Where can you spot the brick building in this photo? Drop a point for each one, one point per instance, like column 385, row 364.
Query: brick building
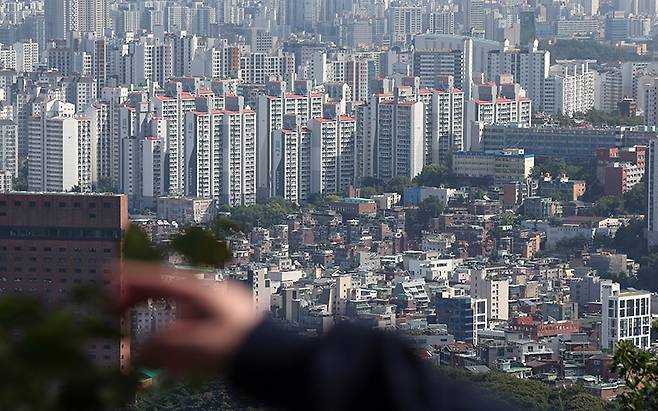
column 619, row 169
column 53, row 243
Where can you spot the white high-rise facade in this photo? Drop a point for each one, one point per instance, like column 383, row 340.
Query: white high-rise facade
column 84, row 16
column 569, row 89
column 9, row 147
column 333, row 156
column 271, row 111
column 221, row 155
column 529, row 66
column 173, row 110
column 61, row 149
column 625, row 316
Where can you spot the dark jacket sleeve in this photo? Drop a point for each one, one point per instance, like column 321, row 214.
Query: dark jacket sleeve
column 351, row 368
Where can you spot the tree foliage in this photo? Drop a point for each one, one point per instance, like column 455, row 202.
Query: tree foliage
column 266, row 214
column 212, row 395
column 200, row 248
column 433, row 175
column 589, row 50
column 609, row 205
column 603, row 119
column 635, row 199
column 43, row 355
column 137, row 246
column 639, row 370
column 531, row 395
column 105, row 184
column 576, row 243
column 556, row 167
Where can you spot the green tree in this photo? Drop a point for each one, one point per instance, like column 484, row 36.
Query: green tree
column 629, row 239
column 639, row 370
column 609, row 205
column 368, row 192
column 20, row 183
column 397, row 184
column 45, row 365
column 508, row 218
column 105, row 184
column 570, row 244
column 431, row 207
column 274, row 211
column 602, row 119
column 635, row 199
column 589, row 49
column 433, row 175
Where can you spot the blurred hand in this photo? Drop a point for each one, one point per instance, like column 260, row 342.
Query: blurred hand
column 214, row 318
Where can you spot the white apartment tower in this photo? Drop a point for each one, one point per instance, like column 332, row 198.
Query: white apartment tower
column 569, row 89
column 221, row 156
column 9, row 147
column 60, row 145
column 271, row 111
column 444, row 123
column 173, row 108
column 529, row 66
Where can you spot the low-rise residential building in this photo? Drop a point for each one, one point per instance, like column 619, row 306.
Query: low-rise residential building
column 503, row 166
column 186, row 210
column 349, row 207
column 413, row 196
column 563, row 188
column 541, row 208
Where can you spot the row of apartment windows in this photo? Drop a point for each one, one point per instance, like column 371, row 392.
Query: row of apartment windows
column 59, row 249
column 63, row 270
column 61, row 204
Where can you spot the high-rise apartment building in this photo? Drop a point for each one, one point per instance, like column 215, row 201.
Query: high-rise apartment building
column 528, row 65
column 9, row 147
column 499, row 102
column 473, row 15
column 271, row 110
column 332, row 154
column 404, row 21
column 142, row 162
column 61, row 149
column 650, row 105
column 569, row 89
column 399, row 135
column 221, row 155
column 432, row 65
column 172, row 108
column 53, row 243
column 608, row 90
column 84, row 16
column 652, row 193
